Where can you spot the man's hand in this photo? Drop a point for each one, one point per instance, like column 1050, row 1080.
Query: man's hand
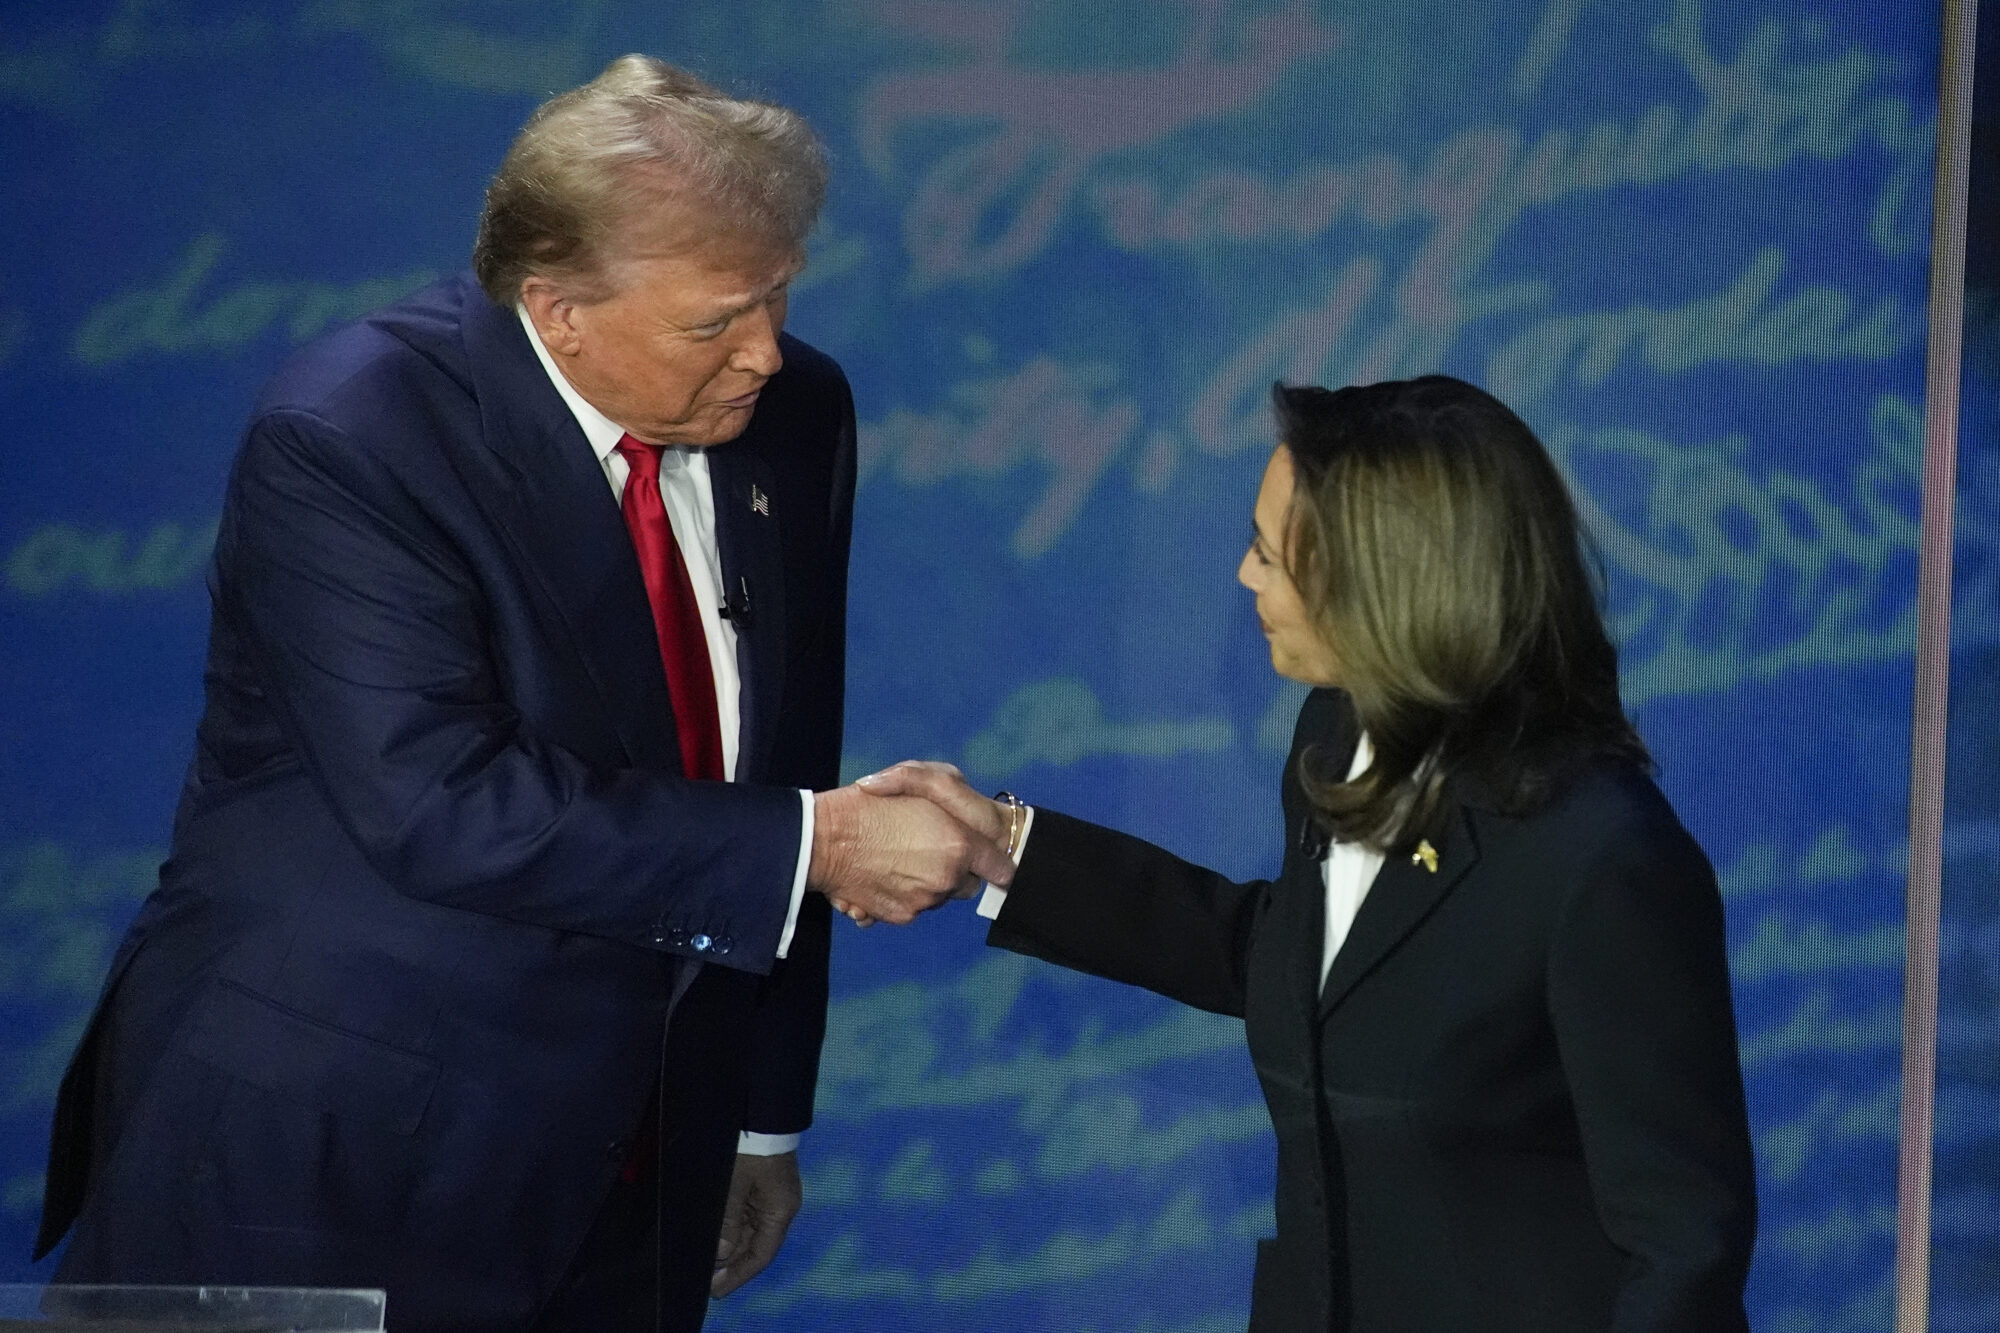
column 764, row 1197
column 891, row 858
column 946, row 788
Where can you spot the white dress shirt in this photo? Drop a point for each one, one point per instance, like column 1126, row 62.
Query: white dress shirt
column 1346, row 874
column 689, row 495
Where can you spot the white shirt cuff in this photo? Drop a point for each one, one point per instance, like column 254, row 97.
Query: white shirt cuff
column 766, row 1145
column 994, row 898
column 798, row 885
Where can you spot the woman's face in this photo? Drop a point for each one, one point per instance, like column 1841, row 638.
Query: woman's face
column 1297, row 650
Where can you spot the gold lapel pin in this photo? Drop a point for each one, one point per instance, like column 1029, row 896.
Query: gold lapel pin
column 1425, row 856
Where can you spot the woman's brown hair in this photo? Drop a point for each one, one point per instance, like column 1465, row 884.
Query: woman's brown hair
column 1436, row 547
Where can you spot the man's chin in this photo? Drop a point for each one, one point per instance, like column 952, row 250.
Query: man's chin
column 714, row 426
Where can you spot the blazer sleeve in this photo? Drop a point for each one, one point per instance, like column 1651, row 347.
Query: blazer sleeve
column 1640, row 1002
column 369, row 634
column 1095, row 900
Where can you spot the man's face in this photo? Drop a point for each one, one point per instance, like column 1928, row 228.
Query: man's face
column 681, row 351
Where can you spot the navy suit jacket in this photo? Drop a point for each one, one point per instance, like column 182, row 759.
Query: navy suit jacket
column 436, row 879
column 1514, row 1104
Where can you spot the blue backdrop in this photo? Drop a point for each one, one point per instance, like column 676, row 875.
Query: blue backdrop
column 1067, row 249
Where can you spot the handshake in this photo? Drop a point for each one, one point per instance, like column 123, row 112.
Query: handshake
column 897, row 843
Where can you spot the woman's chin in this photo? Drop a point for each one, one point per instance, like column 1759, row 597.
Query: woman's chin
column 1303, row 674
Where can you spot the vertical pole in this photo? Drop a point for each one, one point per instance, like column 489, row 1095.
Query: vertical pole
column 1933, row 674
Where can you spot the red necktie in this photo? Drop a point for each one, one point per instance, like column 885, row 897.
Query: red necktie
column 676, row 619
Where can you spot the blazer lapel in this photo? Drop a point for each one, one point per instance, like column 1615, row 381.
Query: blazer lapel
column 1304, row 888
column 1327, row 725
column 1404, row 893
column 559, row 513
column 749, row 510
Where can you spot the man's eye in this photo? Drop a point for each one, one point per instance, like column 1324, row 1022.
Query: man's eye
column 709, row 330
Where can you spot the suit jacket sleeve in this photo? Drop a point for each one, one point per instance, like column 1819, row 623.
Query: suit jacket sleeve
column 1103, row 902
column 790, row 1019
column 371, row 638
column 1099, row 901
column 1640, row 1001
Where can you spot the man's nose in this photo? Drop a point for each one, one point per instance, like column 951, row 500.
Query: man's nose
column 757, row 347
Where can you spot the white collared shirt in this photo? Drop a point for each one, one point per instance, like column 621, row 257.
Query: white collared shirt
column 1347, row 873
column 689, row 496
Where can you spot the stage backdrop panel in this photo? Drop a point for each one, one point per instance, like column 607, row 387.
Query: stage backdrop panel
column 1068, row 248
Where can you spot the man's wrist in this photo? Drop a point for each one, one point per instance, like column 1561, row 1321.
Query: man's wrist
column 827, row 824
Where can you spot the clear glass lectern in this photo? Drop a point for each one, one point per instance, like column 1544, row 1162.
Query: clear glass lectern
column 58, row 1309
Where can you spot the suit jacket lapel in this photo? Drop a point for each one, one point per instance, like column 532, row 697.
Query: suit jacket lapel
column 749, row 510
column 1304, row 880
column 559, row 513
column 1303, row 887
column 1405, row 892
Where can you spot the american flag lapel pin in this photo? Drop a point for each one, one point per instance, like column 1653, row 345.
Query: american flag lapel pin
column 760, row 503
column 1425, row 856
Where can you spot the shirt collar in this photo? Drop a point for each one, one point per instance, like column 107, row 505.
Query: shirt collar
column 1364, row 755
column 602, row 432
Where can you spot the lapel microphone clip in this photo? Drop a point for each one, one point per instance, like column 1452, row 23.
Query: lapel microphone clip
column 735, row 606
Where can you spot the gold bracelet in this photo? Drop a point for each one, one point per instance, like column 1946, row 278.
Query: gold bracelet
column 1017, row 818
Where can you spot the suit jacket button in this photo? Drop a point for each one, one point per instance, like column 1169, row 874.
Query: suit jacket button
column 701, row 943
column 677, row 937
column 723, row 944
column 617, row 1148
column 659, row 935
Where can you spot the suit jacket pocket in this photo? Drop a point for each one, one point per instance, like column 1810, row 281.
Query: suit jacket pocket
column 292, row 1055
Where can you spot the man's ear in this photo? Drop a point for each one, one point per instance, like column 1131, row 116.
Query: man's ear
column 553, row 315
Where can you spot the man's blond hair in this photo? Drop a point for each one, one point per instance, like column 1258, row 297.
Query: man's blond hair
column 643, row 154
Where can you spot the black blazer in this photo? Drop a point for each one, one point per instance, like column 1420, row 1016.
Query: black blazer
column 397, row 1007
column 1515, row 1106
